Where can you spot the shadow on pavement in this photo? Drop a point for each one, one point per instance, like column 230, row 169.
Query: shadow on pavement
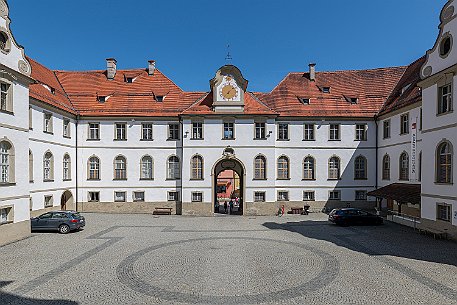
column 388, row 239
column 12, row 299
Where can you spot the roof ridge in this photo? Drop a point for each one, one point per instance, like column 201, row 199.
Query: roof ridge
column 262, row 103
column 65, row 92
column 202, row 97
column 355, row 70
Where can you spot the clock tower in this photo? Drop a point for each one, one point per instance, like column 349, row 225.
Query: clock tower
column 228, row 88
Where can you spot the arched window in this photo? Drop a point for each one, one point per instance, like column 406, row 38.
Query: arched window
column 308, row 168
column 30, row 166
column 120, row 168
column 283, row 167
column 360, row 168
column 3, row 41
column 444, row 163
column 173, row 168
column 48, row 167
column 66, row 167
column 146, row 168
column 94, row 168
column 197, row 168
column 6, row 162
column 260, row 168
column 386, row 167
column 334, row 168
column 404, row 166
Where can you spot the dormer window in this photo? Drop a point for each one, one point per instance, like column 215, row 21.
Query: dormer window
column 101, row 98
column 304, row 100
column 405, row 88
column 4, row 43
column 353, row 100
column 159, row 98
column 53, row 90
column 129, row 80
column 326, row 89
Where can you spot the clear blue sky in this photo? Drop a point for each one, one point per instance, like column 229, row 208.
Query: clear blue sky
column 188, row 39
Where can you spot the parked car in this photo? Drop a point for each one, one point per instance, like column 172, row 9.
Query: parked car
column 62, row 221
column 353, row 216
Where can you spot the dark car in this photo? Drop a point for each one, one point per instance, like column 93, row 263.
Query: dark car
column 353, row 216
column 62, row 221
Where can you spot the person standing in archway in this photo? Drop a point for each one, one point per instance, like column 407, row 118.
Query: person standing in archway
column 225, row 206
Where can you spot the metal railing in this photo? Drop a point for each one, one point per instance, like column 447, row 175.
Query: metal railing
column 403, row 219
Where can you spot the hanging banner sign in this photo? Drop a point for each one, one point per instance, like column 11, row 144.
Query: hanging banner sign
column 413, row 173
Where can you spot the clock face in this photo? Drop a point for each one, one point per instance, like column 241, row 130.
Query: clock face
column 229, row 91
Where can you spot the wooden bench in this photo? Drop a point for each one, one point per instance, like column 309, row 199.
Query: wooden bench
column 296, row 210
column 162, row 211
column 436, row 233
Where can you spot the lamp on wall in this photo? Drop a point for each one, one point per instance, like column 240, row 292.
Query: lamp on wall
column 186, row 133
column 269, row 133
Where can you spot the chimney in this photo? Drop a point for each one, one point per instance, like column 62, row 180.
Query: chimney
column 151, row 67
column 312, row 72
column 110, row 68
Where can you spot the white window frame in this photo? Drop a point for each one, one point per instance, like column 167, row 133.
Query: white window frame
column 309, row 132
column 197, row 197
column 93, row 131
column 334, row 132
column 173, row 131
column 306, row 196
column 281, row 196
column 47, row 122
column 334, row 192
column 135, row 196
column 197, row 130
column 147, row 132
column 260, row 196
column 121, row 198
column 173, row 196
column 66, row 132
column 120, row 131
column 91, row 195
column 283, row 131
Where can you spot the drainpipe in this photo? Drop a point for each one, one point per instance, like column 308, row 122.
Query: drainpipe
column 181, row 125
column 376, row 159
column 77, row 178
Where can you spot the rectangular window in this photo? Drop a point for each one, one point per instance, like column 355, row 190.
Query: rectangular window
column 386, row 129
column 47, row 127
column 66, row 128
column 260, row 130
column 138, row 196
column 197, row 197
column 308, row 196
column 404, row 123
column 283, row 131
column 30, row 118
column 146, row 131
column 443, row 212
column 197, row 130
column 259, row 196
column 229, row 131
column 334, row 195
column 4, row 215
column 4, row 97
column 173, row 131
column 445, row 99
column 119, row 196
column 94, row 196
column 361, row 132
column 309, row 132
column 173, row 196
column 334, row 132
column 283, row 196
column 94, row 131
column 48, row 201
column 360, row 195
column 120, row 132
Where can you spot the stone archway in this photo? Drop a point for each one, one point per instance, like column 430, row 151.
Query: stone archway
column 67, row 202
column 236, row 191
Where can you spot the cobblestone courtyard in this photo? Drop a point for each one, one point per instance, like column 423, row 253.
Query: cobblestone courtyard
column 144, row 259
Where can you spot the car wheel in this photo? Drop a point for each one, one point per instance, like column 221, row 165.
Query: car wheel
column 64, row 229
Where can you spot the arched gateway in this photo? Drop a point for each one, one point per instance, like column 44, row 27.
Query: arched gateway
column 228, row 178
column 66, row 201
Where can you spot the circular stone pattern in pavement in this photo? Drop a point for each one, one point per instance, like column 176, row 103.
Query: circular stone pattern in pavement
column 238, row 270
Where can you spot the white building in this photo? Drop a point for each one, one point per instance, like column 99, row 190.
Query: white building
column 131, row 140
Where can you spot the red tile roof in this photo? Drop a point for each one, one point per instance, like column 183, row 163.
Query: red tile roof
column 252, row 105
column 46, row 81
column 406, row 92
column 370, row 87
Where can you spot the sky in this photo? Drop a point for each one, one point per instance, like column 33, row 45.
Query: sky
column 188, row 39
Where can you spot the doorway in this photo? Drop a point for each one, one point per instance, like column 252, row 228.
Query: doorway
column 66, row 201
column 228, row 187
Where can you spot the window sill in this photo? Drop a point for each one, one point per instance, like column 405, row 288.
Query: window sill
column 360, row 179
column 172, row 179
column 259, row 179
column 283, row 200
column 283, row 179
column 48, row 180
column 93, row 201
column 308, row 200
column 444, row 113
column 363, row 140
column 386, row 138
column 304, row 179
column 119, row 139
column 6, row 112
column 403, row 179
column 404, row 134
column 6, row 222
column 196, row 139
column 285, row 140
column 444, row 183
column 146, row 179
column 227, row 139
column 120, row 201
column 256, row 139
column 93, row 139
column 120, row 179
column 138, row 200
column 48, row 132
column 93, row 179
column 334, row 140
column 31, row 181
column 196, row 201
column 67, row 137
column 7, row 183
column 333, row 179
column 309, row 140
column 258, row 201
column 385, row 179
column 146, row 140
column 66, row 180
column 194, row 179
